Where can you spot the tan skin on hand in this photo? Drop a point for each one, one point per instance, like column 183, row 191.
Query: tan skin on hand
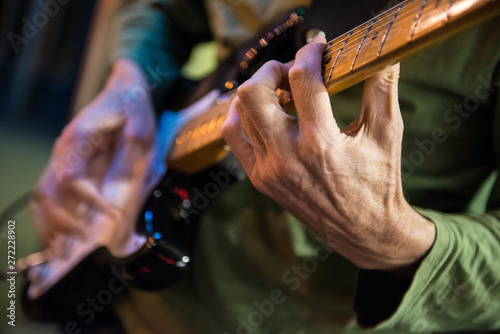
column 344, row 185
column 102, row 143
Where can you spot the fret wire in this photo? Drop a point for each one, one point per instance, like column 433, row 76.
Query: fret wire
column 388, row 29
column 388, row 14
column 188, row 144
column 199, row 132
column 333, row 66
column 220, row 120
column 181, row 147
column 448, row 12
column 361, row 27
column 337, row 58
column 402, row 15
column 179, row 138
column 415, row 22
column 350, row 46
column 351, row 41
column 361, row 44
column 405, row 13
column 349, row 34
column 345, row 63
column 196, row 137
column 204, row 130
column 211, row 127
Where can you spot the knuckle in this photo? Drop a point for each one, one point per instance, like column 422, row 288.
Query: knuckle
column 246, row 91
column 299, row 74
column 272, row 65
column 310, row 146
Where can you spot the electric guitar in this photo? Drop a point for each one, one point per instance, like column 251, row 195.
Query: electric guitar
column 189, row 142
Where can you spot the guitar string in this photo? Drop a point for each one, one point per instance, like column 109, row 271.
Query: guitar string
column 362, row 28
column 362, row 42
column 333, row 48
column 359, row 35
column 387, row 14
column 189, row 144
column 408, row 9
column 404, row 10
column 188, row 134
column 405, row 13
column 416, row 20
column 350, row 46
column 395, row 16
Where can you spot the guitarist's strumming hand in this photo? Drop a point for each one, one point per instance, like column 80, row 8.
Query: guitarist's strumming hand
column 343, row 184
column 93, row 160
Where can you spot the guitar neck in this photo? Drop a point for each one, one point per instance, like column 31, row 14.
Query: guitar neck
column 388, row 38
column 396, row 34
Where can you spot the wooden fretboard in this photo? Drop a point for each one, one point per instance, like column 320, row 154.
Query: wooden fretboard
column 396, row 34
column 388, row 38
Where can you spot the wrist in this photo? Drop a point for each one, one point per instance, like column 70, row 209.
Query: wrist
column 417, row 237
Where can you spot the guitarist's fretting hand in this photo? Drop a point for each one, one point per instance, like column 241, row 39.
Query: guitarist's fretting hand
column 345, row 185
column 95, row 153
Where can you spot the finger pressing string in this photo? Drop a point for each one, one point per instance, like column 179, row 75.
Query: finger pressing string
column 380, row 107
column 311, row 98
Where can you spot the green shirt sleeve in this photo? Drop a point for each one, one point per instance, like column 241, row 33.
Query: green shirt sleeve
column 159, row 36
column 457, row 285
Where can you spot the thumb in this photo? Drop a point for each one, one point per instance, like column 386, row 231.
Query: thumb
column 380, row 113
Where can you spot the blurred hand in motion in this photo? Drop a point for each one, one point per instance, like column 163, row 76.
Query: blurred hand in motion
column 96, row 156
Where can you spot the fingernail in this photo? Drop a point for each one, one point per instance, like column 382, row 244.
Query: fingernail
column 312, row 33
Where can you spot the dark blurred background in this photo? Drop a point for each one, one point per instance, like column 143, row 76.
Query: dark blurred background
column 41, row 50
column 43, row 47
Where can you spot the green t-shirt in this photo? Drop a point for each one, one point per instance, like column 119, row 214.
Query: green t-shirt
column 259, row 270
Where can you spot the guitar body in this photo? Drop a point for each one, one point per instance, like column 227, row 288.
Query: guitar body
column 160, row 247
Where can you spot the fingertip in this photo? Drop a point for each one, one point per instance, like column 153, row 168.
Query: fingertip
column 380, row 104
column 390, row 74
column 315, row 36
column 385, row 81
